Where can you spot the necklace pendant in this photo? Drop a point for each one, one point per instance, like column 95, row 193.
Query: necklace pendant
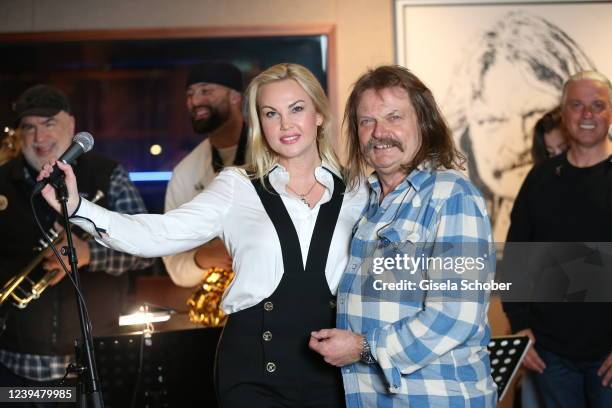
column 305, row 201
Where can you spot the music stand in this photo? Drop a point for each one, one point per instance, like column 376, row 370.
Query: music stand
column 177, row 368
column 506, row 353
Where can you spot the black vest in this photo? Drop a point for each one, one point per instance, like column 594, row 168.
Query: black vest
column 49, row 325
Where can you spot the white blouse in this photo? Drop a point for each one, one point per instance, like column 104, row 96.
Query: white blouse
column 229, row 208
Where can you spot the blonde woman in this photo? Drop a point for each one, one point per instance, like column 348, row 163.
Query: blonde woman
column 286, row 219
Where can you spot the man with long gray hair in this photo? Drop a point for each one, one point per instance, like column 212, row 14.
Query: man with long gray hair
column 409, row 347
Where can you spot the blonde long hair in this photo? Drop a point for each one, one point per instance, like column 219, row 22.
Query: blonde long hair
column 261, row 158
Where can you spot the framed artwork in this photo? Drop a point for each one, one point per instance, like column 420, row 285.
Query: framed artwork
column 495, row 67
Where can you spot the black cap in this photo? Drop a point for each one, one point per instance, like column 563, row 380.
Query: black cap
column 220, row 73
column 41, row 100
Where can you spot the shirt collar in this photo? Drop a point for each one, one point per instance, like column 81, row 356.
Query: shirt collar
column 323, row 165
column 279, row 177
column 415, row 179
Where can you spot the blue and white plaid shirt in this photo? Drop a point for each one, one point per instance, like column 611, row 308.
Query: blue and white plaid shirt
column 430, row 352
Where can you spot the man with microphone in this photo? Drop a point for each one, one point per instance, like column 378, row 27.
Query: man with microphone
column 37, row 342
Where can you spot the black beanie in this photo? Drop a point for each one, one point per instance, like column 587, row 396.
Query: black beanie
column 220, row 73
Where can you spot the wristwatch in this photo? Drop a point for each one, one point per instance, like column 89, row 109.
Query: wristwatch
column 366, row 354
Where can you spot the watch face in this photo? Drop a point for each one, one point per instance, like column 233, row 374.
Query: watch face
column 366, row 354
column 367, row 357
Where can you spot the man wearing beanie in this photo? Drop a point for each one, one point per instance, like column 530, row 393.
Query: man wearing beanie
column 214, row 100
column 37, row 342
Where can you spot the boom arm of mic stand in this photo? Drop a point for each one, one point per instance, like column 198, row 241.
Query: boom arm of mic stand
column 92, row 395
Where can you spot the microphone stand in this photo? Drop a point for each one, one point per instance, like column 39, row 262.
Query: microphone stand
column 91, row 395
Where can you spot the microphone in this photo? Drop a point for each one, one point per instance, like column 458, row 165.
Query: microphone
column 82, row 142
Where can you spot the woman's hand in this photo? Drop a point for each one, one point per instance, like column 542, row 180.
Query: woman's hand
column 49, row 192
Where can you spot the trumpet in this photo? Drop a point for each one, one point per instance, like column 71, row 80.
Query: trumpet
column 14, row 289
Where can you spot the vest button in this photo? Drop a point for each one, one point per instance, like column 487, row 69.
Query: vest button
column 332, row 304
column 270, row 367
column 268, row 306
column 267, row 335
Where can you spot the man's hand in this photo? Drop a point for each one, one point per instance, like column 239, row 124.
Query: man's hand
column 213, row 254
column 532, row 360
column 605, row 371
column 338, row 347
column 51, row 262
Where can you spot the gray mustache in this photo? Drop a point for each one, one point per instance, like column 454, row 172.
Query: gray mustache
column 382, row 142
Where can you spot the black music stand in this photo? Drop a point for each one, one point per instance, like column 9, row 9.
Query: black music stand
column 177, row 368
column 507, row 353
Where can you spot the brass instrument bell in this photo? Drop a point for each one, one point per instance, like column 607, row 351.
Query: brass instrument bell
column 14, row 287
column 205, row 303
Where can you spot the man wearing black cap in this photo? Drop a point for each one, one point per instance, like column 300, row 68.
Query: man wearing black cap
column 214, row 101
column 37, row 342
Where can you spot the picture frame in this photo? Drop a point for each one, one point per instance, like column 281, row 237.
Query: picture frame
column 495, row 67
